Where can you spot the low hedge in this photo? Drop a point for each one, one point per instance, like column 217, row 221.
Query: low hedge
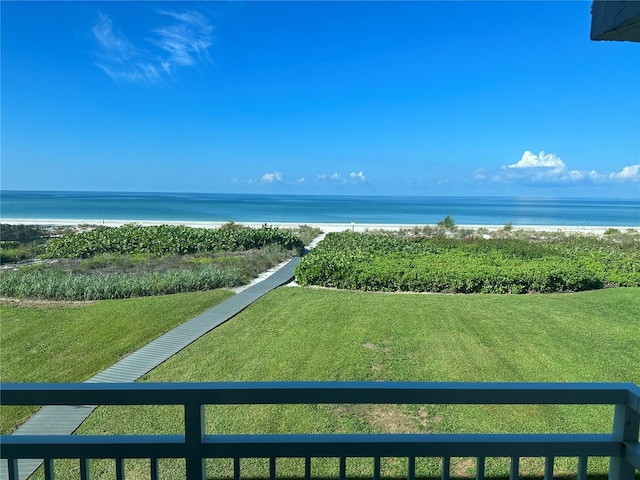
column 382, row 262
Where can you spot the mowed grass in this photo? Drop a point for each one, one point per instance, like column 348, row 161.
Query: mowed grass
column 313, row 334
column 70, row 342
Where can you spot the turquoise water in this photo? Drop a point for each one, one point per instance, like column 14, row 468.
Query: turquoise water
column 318, row 209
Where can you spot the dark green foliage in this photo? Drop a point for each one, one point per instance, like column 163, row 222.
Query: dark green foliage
column 10, row 254
column 390, row 263
column 168, row 239
column 14, row 251
column 20, row 242
column 448, row 223
column 22, row 233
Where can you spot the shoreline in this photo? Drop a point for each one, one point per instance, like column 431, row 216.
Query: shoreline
column 324, row 226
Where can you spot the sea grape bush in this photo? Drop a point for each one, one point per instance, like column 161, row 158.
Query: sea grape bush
column 385, row 262
column 168, row 239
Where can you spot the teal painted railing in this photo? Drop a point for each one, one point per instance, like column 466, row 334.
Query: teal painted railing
column 620, row 444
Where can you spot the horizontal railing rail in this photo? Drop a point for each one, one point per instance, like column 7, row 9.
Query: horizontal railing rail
column 620, row 445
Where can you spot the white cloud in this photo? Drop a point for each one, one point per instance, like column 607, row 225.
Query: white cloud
column 272, row 177
column 358, row 177
column 183, row 43
column 549, row 168
column 118, row 57
column 301, row 180
column 186, row 41
column 630, row 173
column 333, row 176
column 480, row 174
column 111, row 40
column 531, row 160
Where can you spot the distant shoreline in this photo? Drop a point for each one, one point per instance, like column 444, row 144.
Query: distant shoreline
column 324, row 226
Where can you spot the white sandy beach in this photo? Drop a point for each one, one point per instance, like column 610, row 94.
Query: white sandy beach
column 325, row 227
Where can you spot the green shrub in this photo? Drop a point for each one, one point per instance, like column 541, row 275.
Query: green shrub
column 448, row 223
column 168, row 239
column 392, row 263
column 21, row 242
column 10, row 244
column 12, row 254
column 22, row 233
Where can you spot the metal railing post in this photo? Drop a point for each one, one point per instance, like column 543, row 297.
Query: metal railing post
column 154, row 473
column 49, row 471
column 626, row 423
column 548, row 468
column 194, row 428
column 480, row 465
column 514, row 471
column 12, row 468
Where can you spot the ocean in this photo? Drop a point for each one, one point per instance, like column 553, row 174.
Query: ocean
column 203, row 207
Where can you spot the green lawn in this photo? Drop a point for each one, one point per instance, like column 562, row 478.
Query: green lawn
column 73, row 342
column 312, row 334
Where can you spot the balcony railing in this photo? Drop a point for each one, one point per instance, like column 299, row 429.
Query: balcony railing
column 620, row 444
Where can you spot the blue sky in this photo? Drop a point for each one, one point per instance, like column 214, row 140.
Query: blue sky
column 362, row 98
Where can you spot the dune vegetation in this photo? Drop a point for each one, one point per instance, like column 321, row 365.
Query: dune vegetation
column 97, row 263
column 471, row 264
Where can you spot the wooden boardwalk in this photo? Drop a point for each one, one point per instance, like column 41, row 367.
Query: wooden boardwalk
column 64, row 420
